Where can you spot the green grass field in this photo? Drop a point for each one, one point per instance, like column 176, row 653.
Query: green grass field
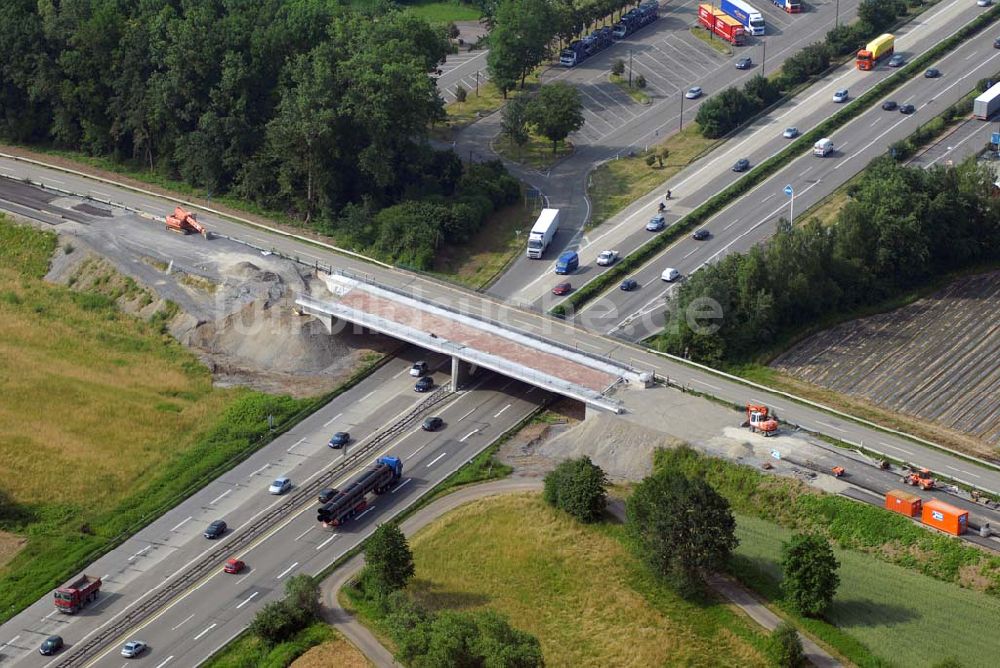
column 906, row 618
column 577, row 588
column 434, row 11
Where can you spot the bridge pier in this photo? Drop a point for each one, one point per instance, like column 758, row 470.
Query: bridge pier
column 461, row 373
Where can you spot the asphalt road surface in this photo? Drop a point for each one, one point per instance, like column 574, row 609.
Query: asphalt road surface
column 206, row 616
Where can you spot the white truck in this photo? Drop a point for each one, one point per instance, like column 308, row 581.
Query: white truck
column 823, row 147
column 986, row 104
column 542, row 233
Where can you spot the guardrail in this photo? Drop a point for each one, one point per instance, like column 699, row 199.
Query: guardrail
column 85, row 651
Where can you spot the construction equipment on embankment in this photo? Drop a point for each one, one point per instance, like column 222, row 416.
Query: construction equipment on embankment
column 184, row 222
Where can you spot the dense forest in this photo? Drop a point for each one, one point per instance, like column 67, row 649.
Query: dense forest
column 902, row 228
column 304, row 106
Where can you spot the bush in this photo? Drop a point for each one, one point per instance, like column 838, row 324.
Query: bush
column 640, row 82
column 579, row 487
column 618, row 67
column 786, row 647
column 651, row 159
column 460, row 93
column 278, row 621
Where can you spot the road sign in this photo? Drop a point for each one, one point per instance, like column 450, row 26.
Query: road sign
column 995, row 138
column 789, row 191
column 775, row 454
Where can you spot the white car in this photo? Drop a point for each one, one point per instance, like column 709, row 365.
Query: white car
column 670, row 274
column 418, row 369
column 693, row 93
column 280, row 486
column 133, row 648
column 607, row 258
column 840, row 96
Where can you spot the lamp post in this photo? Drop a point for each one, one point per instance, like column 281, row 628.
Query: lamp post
column 630, row 68
column 763, row 57
column 837, row 19
column 680, row 123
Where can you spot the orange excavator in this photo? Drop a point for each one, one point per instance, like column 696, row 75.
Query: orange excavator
column 759, row 420
column 184, row 222
column 921, row 479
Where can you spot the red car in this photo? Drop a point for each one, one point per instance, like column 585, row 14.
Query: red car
column 562, row 289
column 234, row 566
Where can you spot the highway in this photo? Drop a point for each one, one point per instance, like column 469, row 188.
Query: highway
column 712, row 173
column 751, row 220
column 207, row 615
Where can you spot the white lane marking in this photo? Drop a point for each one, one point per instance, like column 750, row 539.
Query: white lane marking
column 730, row 224
column 200, row 635
column 701, row 382
column 961, row 471
column 51, row 613
column 401, row 485
column 165, row 661
column 531, row 389
column 247, row 600
column 102, row 194
column 883, row 443
column 299, row 537
column 435, row 460
column 181, row 523
column 140, row 552
column 471, row 411
column 400, row 374
column 691, row 252
column 831, row 426
column 506, row 385
column 49, row 178
column 261, row 469
column 11, row 641
column 370, row 508
column 6, row 169
column 220, row 497
column 327, row 541
column 327, row 423
column 502, row 410
column 287, row 571
column 186, row 620
column 466, row 437
column 412, row 454
column 767, row 198
column 297, row 444
column 368, row 395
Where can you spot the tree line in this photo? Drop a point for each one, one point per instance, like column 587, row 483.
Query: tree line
column 303, row 106
column 902, row 228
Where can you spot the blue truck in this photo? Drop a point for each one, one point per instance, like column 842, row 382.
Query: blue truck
column 744, row 12
column 567, row 263
column 353, row 499
column 636, row 18
column 581, row 49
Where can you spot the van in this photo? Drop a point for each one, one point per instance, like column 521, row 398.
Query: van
column 823, row 147
column 567, row 262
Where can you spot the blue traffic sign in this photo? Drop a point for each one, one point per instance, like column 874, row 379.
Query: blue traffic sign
column 789, row 191
column 995, row 138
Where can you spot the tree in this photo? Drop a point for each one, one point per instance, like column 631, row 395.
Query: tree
column 640, row 82
column 682, row 526
column 460, row 93
column 514, row 121
column 388, row 561
column 618, row 67
column 519, row 41
column 556, row 111
column 579, row 487
column 786, row 646
column 279, row 620
column 810, row 573
column 662, row 155
column 274, row 623
column 302, row 597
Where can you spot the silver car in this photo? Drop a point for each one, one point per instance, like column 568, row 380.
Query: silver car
column 133, row 648
column 693, row 93
column 280, row 486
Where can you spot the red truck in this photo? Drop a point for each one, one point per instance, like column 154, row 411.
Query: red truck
column 72, row 596
column 721, row 24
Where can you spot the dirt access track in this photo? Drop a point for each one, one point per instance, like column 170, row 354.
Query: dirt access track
column 937, row 359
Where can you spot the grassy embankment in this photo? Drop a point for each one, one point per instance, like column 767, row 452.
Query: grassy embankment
column 316, row 645
column 108, row 420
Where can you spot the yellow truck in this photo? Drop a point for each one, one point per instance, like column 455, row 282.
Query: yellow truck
column 876, row 49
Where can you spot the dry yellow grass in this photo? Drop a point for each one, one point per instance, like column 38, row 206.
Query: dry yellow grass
column 10, row 545
column 575, row 588
column 339, row 653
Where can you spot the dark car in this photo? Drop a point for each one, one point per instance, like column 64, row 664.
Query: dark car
column 741, row 165
column 700, row 235
column 996, row 43
column 889, row 105
column 432, row 423
column 932, row 73
column 326, row 495
column 424, row 384
column 906, row 108
column 339, row 440
column 562, row 289
column 897, row 60
column 215, row 529
column 629, row 284
column 744, row 64
column 51, row 645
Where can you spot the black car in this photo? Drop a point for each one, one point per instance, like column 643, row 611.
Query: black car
column 700, row 235
column 629, row 284
column 932, row 73
column 996, row 43
column 339, row 440
column 326, row 495
column 432, row 423
column 744, row 64
column 889, row 105
column 424, row 384
column 741, row 165
column 51, row 645
column 906, row 108
column 215, row 529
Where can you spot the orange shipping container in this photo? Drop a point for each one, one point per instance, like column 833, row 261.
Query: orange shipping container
column 947, row 518
column 902, row 502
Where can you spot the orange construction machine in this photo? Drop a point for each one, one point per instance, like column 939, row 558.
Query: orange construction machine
column 758, row 419
column 183, row 222
column 921, row 479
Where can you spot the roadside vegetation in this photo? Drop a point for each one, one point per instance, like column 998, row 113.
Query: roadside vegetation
column 137, row 412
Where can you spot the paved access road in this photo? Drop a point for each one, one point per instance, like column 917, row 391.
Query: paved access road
column 190, row 628
column 751, row 220
column 761, row 140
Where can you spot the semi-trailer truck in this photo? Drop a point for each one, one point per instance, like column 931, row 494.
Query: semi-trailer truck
column 542, row 233
column 721, row 24
column 72, row 596
column 353, row 499
column 790, row 6
column 987, row 104
column 750, row 18
column 880, row 47
column 636, row 18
